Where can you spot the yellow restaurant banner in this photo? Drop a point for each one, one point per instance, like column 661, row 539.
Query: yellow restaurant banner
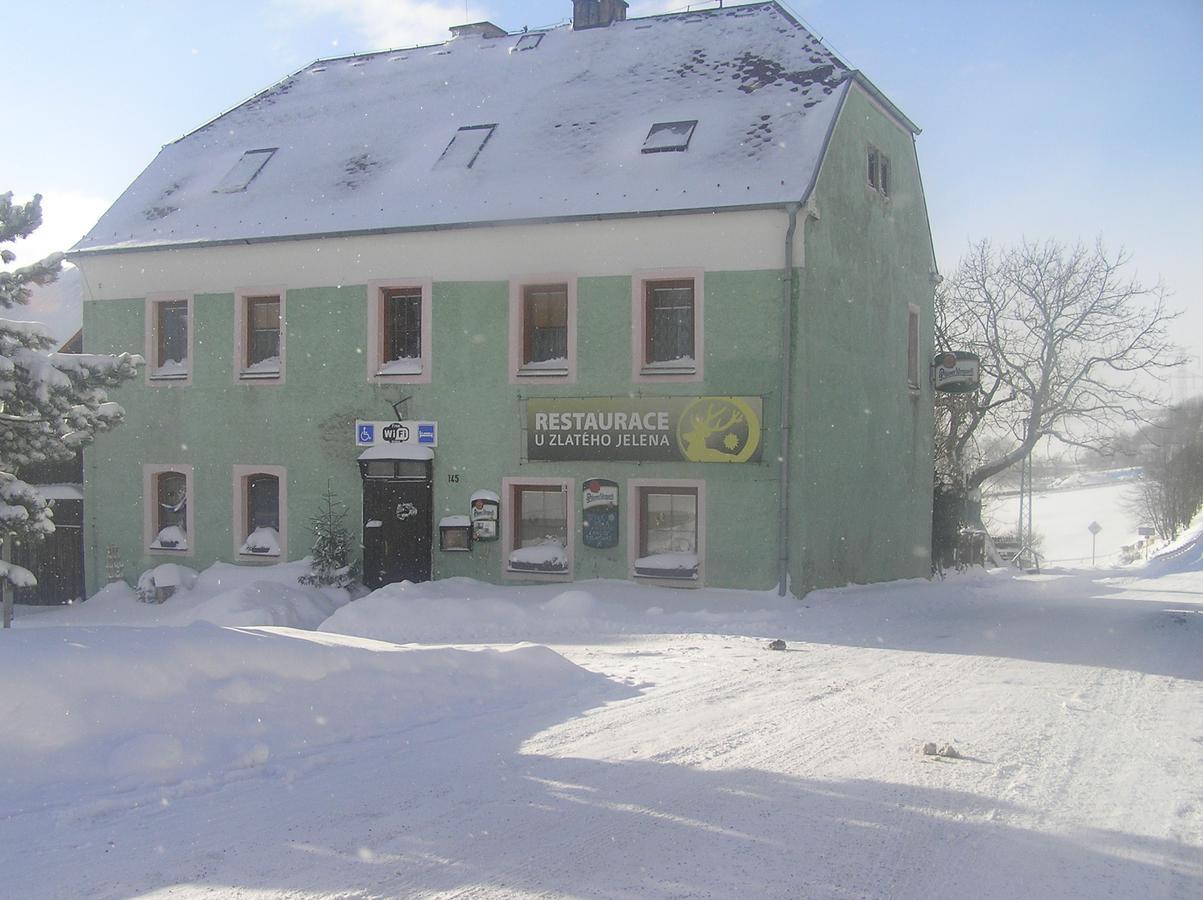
column 647, row 429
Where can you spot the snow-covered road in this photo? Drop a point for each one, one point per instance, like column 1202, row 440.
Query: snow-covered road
column 695, row 762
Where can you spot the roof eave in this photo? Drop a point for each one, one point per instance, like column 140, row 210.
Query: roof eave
column 875, row 92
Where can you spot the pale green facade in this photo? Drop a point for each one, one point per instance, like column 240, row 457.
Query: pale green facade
column 860, row 487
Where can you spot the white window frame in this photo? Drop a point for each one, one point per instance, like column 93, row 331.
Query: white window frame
column 635, row 487
column 519, row 374
column 375, row 335
column 640, row 370
column 153, row 378
column 241, row 337
column 508, row 507
column 239, row 524
column 150, row 497
column 914, row 367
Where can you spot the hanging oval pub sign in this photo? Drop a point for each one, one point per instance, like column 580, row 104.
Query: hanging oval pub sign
column 956, row 372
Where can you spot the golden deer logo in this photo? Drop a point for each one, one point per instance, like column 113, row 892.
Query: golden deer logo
column 718, row 429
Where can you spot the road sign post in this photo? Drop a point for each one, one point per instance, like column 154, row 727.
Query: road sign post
column 1094, row 528
column 1146, row 533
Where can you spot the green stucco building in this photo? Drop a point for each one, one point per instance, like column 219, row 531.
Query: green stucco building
column 643, row 298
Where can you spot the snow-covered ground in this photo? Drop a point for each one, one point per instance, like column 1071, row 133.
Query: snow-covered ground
column 1062, row 520
column 415, row 745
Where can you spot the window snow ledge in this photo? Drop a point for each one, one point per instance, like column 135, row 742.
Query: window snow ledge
column 675, row 566
column 403, row 366
column 668, row 369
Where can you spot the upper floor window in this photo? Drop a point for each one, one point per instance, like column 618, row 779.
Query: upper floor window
column 263, row 334
column 879, row 171
column 543, row 329
column 260, row 344
column 402, row 329
column 168, row 338
column 666, row 314
column 399, row 331
column 545, row 326
column 669, row 310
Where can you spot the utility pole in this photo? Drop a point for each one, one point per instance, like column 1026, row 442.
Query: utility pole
column 5, row 591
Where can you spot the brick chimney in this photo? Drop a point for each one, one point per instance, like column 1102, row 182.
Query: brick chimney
column 481, row 29
column 597, row 13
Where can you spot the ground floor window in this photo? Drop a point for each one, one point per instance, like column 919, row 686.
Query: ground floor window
column 167, row 494
column 258, row 511
column 539, row 536
column 667, row 525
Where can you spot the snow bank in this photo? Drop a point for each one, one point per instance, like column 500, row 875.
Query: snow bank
column 139, row 706
column 462, row 610
column 222, row 594
column 1182, row 555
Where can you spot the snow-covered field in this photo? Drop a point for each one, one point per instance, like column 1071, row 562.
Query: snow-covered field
column 648, row 745
column 1062, row 519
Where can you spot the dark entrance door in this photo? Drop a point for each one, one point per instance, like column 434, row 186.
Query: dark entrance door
column 57, row 561
column 398, row 511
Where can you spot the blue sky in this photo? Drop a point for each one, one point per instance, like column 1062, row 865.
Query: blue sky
column 1070, row 120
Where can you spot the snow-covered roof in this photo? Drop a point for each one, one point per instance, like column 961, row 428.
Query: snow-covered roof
column 479, row 130
column 398, row 451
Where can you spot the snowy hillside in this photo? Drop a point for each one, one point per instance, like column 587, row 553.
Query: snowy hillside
column 654, row 748
column 1062, row 518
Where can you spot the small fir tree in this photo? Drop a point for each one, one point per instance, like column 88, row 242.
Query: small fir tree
column 332, row 565
column 51, row 404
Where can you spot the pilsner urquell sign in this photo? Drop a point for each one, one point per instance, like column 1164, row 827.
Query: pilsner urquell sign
column 649, row 429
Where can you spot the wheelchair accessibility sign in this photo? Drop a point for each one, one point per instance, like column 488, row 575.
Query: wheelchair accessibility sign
column 372, row 434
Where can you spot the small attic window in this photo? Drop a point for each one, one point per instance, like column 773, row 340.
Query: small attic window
column 528, row 41
column 466, row 145
column 879, row 171
column 667, row 137
column 244, row 171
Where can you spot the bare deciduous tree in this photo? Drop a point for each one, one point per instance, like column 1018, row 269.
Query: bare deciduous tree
column 1172, row 490
column 1071, row 345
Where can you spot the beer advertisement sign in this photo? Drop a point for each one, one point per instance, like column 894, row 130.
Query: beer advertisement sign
column 956, row 372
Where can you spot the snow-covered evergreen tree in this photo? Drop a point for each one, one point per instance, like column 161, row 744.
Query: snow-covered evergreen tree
column 51, row 403
column 332, row 545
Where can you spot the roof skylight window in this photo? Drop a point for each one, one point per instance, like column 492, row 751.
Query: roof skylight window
column 667, row 137
column 529, row 41
column 466, row 145
column 244, row 171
